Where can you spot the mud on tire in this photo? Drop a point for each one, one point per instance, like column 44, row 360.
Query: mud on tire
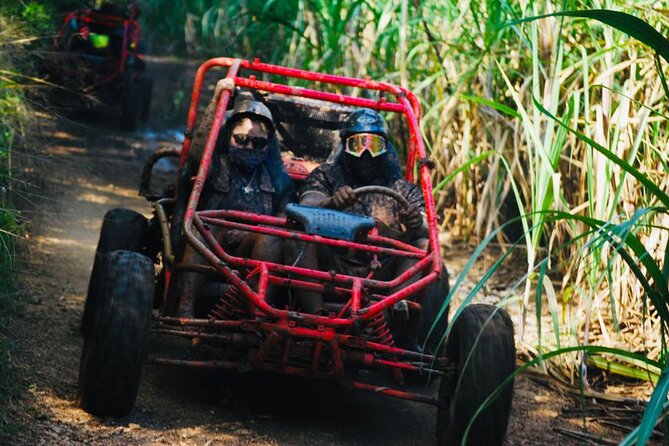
column 482, row 347
column 114, row 346
column 121, row 229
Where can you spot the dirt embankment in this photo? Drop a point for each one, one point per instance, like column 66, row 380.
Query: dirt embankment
column 84, row 170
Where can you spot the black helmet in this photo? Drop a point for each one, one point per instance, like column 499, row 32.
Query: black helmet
column 364, row 120
column 249, row 107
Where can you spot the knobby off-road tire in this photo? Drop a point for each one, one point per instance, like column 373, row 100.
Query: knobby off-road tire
column 114, row 347
column 121, row 229
column 433, row 322
column 481, row 345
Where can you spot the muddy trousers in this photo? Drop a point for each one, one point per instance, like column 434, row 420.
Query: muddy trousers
column 192, row 291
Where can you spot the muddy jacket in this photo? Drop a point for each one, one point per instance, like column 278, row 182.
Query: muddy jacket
column 266, row 191
column 227, row 188
column 331, row 176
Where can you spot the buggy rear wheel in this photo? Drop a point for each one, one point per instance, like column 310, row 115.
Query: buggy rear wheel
column 115, row 344
column 121, row 229
column 481, row 345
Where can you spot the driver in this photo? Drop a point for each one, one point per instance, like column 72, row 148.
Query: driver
column 366, row 158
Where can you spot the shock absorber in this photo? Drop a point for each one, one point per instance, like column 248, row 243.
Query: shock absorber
column 379, row 331
column 229, row 307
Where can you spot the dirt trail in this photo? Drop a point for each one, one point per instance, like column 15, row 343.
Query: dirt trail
column 89, row 168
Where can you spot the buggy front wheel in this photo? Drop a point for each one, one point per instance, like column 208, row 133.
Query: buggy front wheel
column 481, row 346
column 115, row 343
column 121, row 229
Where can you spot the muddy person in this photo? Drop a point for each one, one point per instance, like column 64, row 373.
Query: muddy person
column 366, row 157
column 246, row 174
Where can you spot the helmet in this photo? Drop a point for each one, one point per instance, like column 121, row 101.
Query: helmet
column 249, row 107
column 364, row 120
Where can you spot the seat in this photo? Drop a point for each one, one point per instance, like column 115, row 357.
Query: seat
column 328, row 222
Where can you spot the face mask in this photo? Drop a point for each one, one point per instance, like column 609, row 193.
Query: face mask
column 365, row 167
column 247, row 160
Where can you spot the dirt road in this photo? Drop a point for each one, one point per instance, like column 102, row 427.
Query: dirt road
column 86, row 169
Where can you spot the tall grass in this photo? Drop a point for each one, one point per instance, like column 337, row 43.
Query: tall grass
column 23, row 28
column 10, row 104
column 560, row 122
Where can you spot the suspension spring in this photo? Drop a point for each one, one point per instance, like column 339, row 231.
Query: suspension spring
column 378, row 330
column 229, row 307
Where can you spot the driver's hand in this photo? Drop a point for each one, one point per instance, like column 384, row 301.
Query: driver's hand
column 411, row 217
column 343, row 197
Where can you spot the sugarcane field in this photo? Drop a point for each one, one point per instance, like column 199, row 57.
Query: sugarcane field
column 309, row 222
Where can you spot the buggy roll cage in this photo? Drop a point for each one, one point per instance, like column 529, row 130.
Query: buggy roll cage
column 131, row 33
column 392, row 99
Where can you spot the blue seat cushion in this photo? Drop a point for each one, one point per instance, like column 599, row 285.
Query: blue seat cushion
column 328, row 222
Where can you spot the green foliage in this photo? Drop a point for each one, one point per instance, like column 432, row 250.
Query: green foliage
column 553, row 102
column 9, row 387
column 628, row 24
column 18, row 22
column 38, row 16
column 624, row 236
column 34, row 17
column 656, row 407
column 10, row 227
column 210, row 28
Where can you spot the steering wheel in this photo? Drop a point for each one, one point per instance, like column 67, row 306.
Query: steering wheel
column 379, row 190
column 335, row 223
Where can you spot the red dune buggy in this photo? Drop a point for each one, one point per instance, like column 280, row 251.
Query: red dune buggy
column 237, row 328
column 98, row 53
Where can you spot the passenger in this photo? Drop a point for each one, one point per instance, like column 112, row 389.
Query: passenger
column 246, row 174
column 367, row 158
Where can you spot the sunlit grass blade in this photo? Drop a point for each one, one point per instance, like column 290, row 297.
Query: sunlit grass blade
column 655, row 407
column 656, row 288
column 627, row 23
column 492, row 104
column 648, row 374
column 464, row 167
column 590, row 350
column 643, row 179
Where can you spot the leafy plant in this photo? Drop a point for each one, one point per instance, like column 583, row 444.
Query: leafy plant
column 16, row 76
column 547, row 117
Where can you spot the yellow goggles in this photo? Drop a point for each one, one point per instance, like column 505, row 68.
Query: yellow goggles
column 357, row 144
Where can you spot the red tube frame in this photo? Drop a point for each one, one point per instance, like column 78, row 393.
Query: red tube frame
column 406, row 104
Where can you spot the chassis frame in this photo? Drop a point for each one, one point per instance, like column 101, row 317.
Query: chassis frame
column 283, row 340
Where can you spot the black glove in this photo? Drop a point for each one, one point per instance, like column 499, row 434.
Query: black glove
column 411, row 217
column 343, row 197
